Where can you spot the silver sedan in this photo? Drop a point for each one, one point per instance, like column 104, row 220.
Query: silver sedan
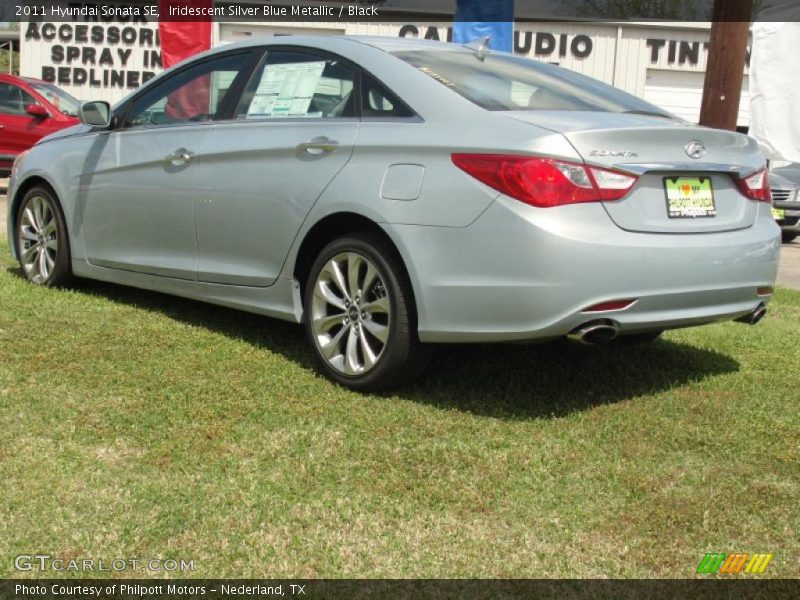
column 391, row 194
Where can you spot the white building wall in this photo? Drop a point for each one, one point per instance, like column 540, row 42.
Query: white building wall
column 130, row 59
column 619, row 54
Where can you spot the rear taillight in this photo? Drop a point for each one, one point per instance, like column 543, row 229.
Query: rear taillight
column 545, row 182
column 755, row 186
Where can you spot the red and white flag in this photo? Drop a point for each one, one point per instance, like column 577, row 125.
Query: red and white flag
column 182, row 38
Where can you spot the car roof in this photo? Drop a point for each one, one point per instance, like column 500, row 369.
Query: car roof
column 387, row 44
column 398, row 44
column 9, row 78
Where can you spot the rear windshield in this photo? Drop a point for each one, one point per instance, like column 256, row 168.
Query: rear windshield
column 505, row 82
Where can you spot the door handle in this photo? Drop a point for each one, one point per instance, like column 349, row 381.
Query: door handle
column 318, row 146
column 181, row 156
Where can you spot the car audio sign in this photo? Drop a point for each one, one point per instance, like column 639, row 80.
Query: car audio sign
column 93, row 55
column 535, row 43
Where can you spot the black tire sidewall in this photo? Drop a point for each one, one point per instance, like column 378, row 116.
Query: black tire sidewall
column 62, row 270
column 401, row 341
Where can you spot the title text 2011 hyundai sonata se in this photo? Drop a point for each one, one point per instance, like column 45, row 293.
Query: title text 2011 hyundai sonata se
column 390, row 194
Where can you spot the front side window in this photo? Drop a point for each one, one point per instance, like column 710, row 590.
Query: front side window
column 299, row 85
column 500, row 82
column 66, row 104
column 13, row 100
column 196, row 94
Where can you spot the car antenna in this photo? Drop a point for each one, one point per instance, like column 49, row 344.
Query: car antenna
column 480, row 47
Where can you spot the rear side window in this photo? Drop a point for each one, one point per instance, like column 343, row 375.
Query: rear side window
column 501, row 82
column 299, row 85
column 377, row 101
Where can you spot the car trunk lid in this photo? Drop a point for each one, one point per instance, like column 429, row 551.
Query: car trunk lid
column 655, row 149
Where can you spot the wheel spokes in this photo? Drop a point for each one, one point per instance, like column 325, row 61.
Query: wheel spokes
column 337, row 278
column 323, row 292
column 37, row 265
column 379, row 305
column 369, row 277
column 49, row 259
column 30, row 219
column 351, row 353
column 349, row 291
column 50, row 227
column 366, row 350
column 27, row 254
column 381, row 332
column 331, row 348
column 27, row 234
column 37, row 239
column 328, row 322
column 44, row 266
column 38, row 212
column 354, row 262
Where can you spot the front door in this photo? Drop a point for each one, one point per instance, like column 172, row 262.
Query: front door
column 138, row 184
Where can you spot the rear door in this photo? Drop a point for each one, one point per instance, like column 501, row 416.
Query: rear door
column 265, row 166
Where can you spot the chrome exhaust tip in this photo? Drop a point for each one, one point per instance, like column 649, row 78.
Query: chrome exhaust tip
column 753, row 317
column 594, row 333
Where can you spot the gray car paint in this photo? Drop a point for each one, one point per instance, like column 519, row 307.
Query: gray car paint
column 483, row 267
column 790, row 205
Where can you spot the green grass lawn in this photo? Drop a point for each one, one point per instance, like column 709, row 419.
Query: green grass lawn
column 138, row 425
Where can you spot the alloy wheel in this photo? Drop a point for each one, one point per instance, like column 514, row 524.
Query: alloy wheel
column 350, row 313
column 38, row 239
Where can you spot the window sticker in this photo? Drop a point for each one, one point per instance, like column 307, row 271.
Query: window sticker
column 286, row 90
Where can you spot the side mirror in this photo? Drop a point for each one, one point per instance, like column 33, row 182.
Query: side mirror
column 37, row 110
column 95, row 114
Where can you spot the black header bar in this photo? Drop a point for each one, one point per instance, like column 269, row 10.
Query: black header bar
column 377, row 11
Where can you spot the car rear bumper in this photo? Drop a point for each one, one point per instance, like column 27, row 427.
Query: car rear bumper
column 790, row 224
column 521, row 273
column 791, row 220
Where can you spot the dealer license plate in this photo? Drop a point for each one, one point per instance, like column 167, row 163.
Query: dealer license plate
column 778, row 214
column 689, row 197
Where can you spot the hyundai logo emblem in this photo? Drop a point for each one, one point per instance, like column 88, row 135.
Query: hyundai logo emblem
column 695, row 149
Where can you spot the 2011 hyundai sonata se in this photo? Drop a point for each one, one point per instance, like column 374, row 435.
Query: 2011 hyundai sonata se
column 389, row 194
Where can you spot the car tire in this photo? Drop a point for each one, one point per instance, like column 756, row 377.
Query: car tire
column 360, row 319
column 788, row 237
column 639, row 338
column 42, row 242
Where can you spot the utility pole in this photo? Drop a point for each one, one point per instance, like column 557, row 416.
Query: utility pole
column 727, row 53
